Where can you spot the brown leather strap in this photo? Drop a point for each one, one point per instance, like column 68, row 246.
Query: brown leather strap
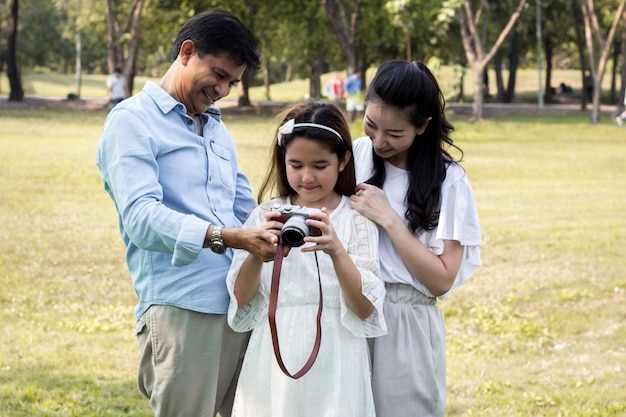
column 278, row 262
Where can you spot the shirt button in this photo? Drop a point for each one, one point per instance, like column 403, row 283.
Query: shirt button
column 189, row 121
column 180, row 107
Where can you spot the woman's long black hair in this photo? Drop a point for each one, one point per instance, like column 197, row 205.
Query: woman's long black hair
column 411, row 87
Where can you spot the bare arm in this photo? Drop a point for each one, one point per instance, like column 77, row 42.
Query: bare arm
column 435, row 272
column 248, row 280
column 348, row 275
column 260, row 242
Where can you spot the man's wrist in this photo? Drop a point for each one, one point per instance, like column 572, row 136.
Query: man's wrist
column 217, row 244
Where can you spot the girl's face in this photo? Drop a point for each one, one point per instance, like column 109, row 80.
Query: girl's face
column 312, row 171
column 391, row 131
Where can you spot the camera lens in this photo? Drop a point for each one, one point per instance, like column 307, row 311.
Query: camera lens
column 294, row 231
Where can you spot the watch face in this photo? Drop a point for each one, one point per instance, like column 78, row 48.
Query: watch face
column 218, row 248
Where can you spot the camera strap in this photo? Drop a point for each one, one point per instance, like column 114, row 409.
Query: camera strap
column 278, row 262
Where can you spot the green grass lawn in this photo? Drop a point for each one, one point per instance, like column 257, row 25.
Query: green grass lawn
column 538, row 331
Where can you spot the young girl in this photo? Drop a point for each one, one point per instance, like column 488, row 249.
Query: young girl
column 312, row 167
column 429, row 232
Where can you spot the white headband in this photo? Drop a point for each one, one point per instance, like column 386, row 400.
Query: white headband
column 291, row 124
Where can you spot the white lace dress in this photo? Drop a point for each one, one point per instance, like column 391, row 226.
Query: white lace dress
column 338, row 384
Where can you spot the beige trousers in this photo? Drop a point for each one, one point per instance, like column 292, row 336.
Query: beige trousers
column 189, row 362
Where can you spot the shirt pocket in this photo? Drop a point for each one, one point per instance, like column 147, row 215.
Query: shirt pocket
column 223, row 159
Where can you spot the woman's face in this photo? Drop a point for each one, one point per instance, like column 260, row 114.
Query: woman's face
column 391, row 131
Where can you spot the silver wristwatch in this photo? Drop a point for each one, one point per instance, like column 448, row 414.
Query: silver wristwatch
column 217, row 243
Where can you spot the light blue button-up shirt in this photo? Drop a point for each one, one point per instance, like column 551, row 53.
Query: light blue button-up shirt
column 168, row 185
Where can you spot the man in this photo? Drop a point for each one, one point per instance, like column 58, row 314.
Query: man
column 355, row 100
column 169, row 164
column 117, row 88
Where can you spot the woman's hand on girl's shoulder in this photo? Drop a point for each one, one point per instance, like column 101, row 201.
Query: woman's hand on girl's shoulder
column 371, row 202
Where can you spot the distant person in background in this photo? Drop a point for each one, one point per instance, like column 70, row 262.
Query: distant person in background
column 564, row 89
column 117, row 88
column 355, row 99
column 335, row 88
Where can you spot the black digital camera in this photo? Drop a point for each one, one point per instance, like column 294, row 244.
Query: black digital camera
column 295, row 228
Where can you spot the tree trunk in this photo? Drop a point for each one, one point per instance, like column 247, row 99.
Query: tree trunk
column 592, row 28
column 15, row 82
column 315, row 83
column 266, row 78
column 288, row 72
column 580, row 43
column 133, row 46
column 244, row 88
column 117, row 35
column 114, row 57
column 623, row 68
column 497, row 66
column 548, row 96
column 346, row 31
column 615, row 59
column 513, row 64
column 474, row 46
column 477, row 107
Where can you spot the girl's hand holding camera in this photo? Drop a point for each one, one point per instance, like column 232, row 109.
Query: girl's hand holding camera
column 327, row 241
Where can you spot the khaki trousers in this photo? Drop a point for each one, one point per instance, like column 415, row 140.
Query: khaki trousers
column 189, row 362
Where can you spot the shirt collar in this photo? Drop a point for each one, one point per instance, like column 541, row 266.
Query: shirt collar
column 166, row 103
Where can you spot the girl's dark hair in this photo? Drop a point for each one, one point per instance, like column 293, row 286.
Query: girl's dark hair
column 326, row 114
column 410, row 87
column 220, row 32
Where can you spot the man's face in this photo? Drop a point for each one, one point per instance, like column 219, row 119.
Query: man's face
column 205, row 79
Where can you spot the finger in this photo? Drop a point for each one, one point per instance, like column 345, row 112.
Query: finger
column 272, row 215
column 362, row 187
column 321, row 223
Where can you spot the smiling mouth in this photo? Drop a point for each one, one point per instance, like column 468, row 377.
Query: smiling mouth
column 211, row 99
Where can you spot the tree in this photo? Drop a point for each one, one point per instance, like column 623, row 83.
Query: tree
column 15, row 81
column 474, row 44
column 623, row 61
column 120, row 53
column 401, row 18
column 592, row 27
column 346, row 30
